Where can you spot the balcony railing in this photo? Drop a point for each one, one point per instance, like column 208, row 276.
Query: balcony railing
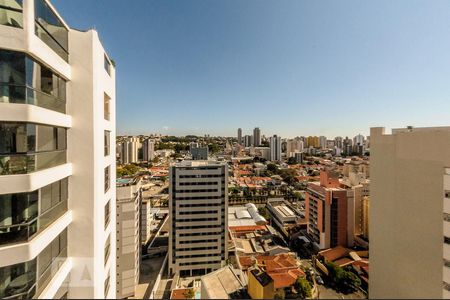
column 24, row 232
column 26, row 95
column 28, row 163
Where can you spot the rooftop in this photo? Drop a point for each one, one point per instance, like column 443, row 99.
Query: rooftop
column 221, row 284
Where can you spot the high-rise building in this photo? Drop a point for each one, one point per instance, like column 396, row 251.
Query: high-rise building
column 338, row 142
column 293, row 146
column 198, row 217
column 129, row 198
column 130, row 150
column 323, row 142
column 410, row 213
column 239, row 136
column 57, row 162
column 275, row 148
column 347, row 146
column 326, row 211
column 248, row 140
column 359, row 144
column 257, row 137
column 148, row 150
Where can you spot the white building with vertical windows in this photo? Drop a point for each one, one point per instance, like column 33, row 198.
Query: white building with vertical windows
column 198, row 216
column 57, row 164
column 275, row 148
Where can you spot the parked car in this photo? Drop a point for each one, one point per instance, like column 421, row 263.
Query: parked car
column 319, row 280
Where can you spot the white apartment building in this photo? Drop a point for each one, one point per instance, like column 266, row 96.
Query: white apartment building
column 275, row 148
column 198, row 210
column 410, row 213
column 129, row 199
column 130, row 150
column 57, row 164
column 148, row 150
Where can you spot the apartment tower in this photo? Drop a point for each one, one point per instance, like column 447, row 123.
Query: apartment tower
column 198, row 217
column 275, row 148
column 256, row 137
column 326, row 211
column 410, row 213
column 57, row 164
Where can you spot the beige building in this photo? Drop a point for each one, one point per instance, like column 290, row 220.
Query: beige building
column 198, row 217
column 129, row 197
column 410, row 206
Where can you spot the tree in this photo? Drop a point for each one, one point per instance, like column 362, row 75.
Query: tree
column 303, row 288
column 292, row 161
column 344, row 280
column 127, row 170
column 272, row 168
column 263, row 212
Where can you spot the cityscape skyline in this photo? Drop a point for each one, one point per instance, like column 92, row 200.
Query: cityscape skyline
column 274, row 65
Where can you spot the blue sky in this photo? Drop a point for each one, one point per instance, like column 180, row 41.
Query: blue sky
column 290, row 67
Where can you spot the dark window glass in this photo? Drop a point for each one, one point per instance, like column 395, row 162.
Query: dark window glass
column 107, row 65
column 12, row 67
column 107, row 142
column 107, row 178
column 51, row 30
column 25, row 137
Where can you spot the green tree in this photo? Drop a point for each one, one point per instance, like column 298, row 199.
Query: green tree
column 303, row 288
column 272, row 168
column 127, row 170
column 263, row 212
column 344, row 280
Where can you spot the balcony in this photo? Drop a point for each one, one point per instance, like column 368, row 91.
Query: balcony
column 27, row 163
column 26, row 95
column 24, row 232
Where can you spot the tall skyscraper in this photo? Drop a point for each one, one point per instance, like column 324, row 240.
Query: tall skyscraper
column 198, row 216
column 410, row 213
column 57, row 164
column 239, row 136
column 148, row 150
column 275, row 148
column 130, row 150
column 322, row 142
column 257, row 137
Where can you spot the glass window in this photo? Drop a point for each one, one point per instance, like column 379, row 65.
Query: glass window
column 11, row 13
column 12, row 67
column 107, row 177
column 18, row 280
column 107, row 65
column 51, row 30
column 25, row 137
column 107, row 142
column 107, row 213
column 46, row 198
column 107, row 248
column 106, row 103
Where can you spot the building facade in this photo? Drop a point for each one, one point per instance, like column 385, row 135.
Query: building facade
column 148, row 150
column 410, row 207
column 198, row 216
column 275, row 148
column 239, row 136
column 129, row 199
column 257, row 137
column 57, row 164
column 326, row 211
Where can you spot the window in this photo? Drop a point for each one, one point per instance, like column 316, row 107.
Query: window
column 107, row 280
column 107, row 142
column 24, row 80
column 51, row 30
column 107, row 177
column 447, row 194
column 107, row 249
column 106, row 102
column 107, row 65
column 107, row 213
column 11, row 13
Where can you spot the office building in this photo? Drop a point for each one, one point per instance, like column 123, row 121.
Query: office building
column 198, row 210
column 275, row 148
column 409, row 209
column 148, row 150
column 199, row 153
column 57, row 162
column 293, row 146
column 129, row 199
column 257, row 137
column 239, row 136
column 326, row 211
